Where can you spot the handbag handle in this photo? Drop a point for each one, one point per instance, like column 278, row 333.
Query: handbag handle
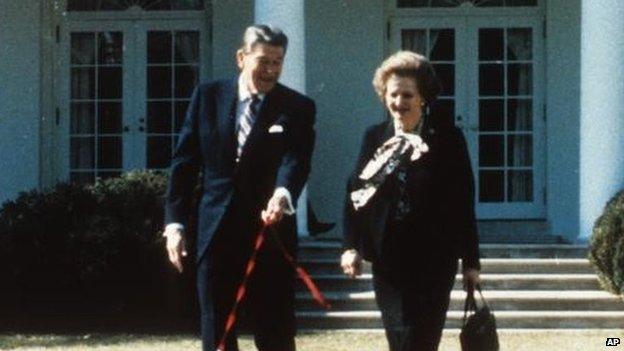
column 471, row 304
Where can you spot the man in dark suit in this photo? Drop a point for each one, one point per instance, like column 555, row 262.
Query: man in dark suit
column 251, row 139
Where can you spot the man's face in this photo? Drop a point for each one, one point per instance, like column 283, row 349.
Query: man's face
column 261, row 67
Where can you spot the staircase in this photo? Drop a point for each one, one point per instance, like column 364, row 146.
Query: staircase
column 527, row 286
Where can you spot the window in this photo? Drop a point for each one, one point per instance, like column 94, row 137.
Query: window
column 121, row 5
column 506, row 99
column 96, row 70
column 456, row 3
column 172, row 72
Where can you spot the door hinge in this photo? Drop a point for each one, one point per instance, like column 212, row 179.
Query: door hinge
column 57, row 116
column 388, row 30
column 544, row 112
column 544, row 197
column 544, row 29
column 57, row 33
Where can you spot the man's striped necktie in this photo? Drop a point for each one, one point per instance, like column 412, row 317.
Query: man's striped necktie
column 246, row 123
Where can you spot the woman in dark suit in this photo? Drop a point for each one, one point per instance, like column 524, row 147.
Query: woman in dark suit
column 410, row 207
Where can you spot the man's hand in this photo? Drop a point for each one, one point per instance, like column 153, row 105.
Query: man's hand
column 275, row 209
column 176, row 246
column 351, row 263
column 471, row 279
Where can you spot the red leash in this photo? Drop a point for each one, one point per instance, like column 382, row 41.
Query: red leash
column 251, row 265
column 303, row 275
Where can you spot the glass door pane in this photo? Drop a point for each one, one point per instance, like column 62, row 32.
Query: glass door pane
column 96, row 68
column 438, row 45
column 506, row 103
column 126, row 87
column 489, row 68
column 457, row 3
column 121, row 5
column 172, row 71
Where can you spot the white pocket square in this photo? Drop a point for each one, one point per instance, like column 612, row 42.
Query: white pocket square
column 276, row 128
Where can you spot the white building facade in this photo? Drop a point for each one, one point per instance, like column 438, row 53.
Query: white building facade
column 90, row 89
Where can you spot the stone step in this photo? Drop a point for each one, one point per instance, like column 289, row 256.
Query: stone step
column 488, row 265
column 340, row 282
column 504, row 319
column 332, row 249
column 498, row 300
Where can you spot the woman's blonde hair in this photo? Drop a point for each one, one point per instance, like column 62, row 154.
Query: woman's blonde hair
column 412, row 65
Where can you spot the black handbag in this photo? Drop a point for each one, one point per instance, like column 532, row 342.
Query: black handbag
column 478, row 332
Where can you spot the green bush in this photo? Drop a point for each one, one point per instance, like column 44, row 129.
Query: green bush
column 88, row 247
column 36, row 236
column 132, row 208
column 607, row 246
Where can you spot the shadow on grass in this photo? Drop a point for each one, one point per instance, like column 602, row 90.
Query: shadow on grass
column 320, row 340
column 58, row 330
column 14, row 341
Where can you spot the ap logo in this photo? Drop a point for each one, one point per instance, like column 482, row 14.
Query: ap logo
column 613, row 341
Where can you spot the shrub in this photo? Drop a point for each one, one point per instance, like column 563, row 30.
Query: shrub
column 97, row 246
column 36, row 236
column 607, row 246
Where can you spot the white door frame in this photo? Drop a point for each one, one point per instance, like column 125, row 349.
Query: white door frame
column 65, row 86
column 140, row 120
column 466, row 72
column 134, row 25
column 511, row 210
column 456, row 23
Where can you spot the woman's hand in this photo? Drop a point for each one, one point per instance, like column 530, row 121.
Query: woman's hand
column 351, row 263
column 471, row 279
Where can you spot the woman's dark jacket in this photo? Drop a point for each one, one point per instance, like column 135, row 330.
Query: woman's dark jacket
column 440, row 227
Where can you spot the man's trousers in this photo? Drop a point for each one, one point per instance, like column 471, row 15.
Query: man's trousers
column 268, row 307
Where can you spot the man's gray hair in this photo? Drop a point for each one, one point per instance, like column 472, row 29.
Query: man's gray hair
column 263, row 34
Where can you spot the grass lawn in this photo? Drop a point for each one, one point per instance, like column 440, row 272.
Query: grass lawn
column 513, row 340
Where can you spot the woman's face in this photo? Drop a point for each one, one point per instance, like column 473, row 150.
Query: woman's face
column 403, row 100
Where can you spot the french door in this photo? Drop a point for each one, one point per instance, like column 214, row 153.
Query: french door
column 491, row 71
column 125, row 89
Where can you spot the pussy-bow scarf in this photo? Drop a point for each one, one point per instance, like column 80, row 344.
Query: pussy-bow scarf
column 385, row 161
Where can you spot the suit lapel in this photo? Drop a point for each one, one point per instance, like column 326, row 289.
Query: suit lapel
column 374, row 142
column 266, row 115
column 388, row 132
column 428, row 129
column 226, row 114
column 387, row 193
column 267, row 112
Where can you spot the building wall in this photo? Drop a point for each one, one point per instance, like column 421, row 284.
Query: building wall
column 289, row 15
column 344, row 45
column 229, row 20
column 563, row 63
column 20, row 28
column 50, row 163
column 339, row 75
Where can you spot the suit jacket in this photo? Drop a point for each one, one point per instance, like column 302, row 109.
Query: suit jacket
column 207, row 146
column 440, row 226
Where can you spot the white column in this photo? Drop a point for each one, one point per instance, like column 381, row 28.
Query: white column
column 602, row 108
column 289, row 15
